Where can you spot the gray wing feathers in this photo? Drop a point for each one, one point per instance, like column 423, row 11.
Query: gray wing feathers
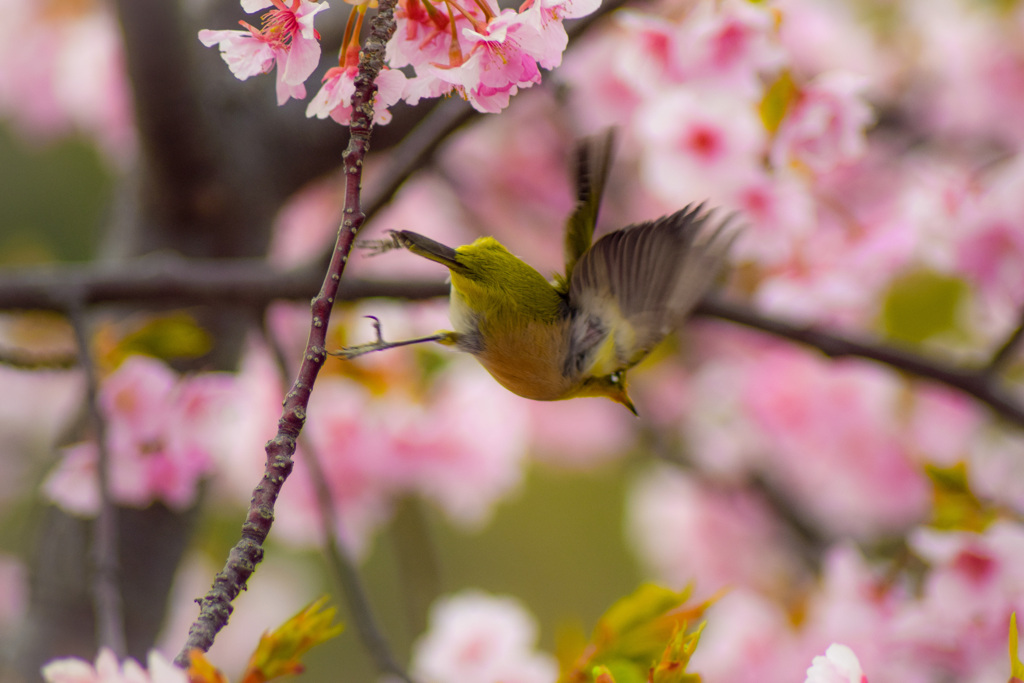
column 656, row 271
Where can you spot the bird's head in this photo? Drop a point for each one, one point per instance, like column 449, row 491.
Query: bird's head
column 611, row 386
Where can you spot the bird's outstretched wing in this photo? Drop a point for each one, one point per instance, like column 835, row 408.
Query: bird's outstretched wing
column 643, row 280
column 592, row 160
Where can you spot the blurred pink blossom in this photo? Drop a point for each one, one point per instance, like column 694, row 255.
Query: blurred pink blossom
column 748, row 639
column 375, row 448
column 857, row 604
column 720, row 537
column 524, row 200
column 958, row 627
column 108, row 670
column 838, row 665
column 697, row 142
column 826, row 126
column 161, row 430
column 731, row 44
column 64, row 73
column 832, row 441
column 478, row 638
column 969, row 70
column 819, row 37
column 578, row 434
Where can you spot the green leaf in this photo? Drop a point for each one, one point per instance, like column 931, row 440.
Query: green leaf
column 777, row 100
column 923, row 304
column 636, row 633
column 280, row 651
column 1016, row 668
column 954, row 505
column 172, row 336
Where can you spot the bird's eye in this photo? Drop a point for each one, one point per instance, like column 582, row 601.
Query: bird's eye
column 615, row 377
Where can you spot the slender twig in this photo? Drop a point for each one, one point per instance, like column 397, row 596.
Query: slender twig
column 342, row 566
column 1004, row 353
column 976, row 383
column 106, row 588
column 215, row 606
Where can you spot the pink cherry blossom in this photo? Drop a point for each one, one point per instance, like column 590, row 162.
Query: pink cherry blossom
column 478, row 638
column 108, row 670
column 496, row 64
column 549, row 39
column 335, row 96
column 838, row 665
column 161, row 430
column 483, row 54
column 286, row 39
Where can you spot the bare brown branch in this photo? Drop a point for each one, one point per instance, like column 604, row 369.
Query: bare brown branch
column 215, row 606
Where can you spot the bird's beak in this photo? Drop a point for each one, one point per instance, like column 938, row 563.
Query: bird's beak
column 623, row 398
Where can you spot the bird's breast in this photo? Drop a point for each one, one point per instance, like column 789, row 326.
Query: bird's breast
column 528, row 359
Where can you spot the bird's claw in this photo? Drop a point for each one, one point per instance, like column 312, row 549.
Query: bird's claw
column 350, row 352
column 378, row 247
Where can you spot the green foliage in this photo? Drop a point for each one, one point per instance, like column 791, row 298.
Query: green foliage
column 778, row 98
column 1016, row 668
column 280, row 651
column 170, row 336
column 923, row 304
column 954, row 505
column 643, row 637
column 54, row 200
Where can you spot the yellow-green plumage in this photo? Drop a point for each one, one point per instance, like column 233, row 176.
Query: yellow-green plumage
column 578, row 335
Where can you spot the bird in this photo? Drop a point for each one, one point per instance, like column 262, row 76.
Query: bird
column 578, row 334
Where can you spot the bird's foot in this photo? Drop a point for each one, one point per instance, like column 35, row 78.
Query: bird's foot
column 350, row 352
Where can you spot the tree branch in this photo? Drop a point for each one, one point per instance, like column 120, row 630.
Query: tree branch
column 180, row 282
column 215, row 606
column 344, row 569
column 106, row 589
column 1006, row 350
column 168, row 280
column 976, row 383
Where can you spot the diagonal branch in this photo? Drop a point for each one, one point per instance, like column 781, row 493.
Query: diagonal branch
column 1006, row 350
column 215, row 606
column 344, row 568
column 976, row 383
